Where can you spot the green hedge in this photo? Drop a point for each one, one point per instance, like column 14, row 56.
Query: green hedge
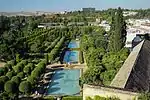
column 81, row 59
column 72, row 98
column 49, row 98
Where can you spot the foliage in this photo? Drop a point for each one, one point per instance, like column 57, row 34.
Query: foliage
column 118, row 32
column 25, row 87
column 92, row 76
column 102, row 98
column 16, row 79
column 49, row 98
column 21, row 75
column 10, row 87
column 7, row 67
column 144, row 96
column 10, row 74
column 4, row 79
column 27, row 70
column 32, row 80
column 72, row 98
column 81, row 58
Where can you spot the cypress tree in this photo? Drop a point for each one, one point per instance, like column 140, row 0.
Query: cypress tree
column 118, row 32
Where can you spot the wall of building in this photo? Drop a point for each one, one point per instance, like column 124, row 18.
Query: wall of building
column 91, row 91
column 140, row 75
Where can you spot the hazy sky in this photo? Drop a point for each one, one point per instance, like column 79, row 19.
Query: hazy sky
column 61, row 5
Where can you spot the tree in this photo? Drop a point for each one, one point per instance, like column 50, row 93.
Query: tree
column 1, row 85
column 118, row 32
column 24, row 62
column 4, row 79
column 25, row 87
column 27, row 70
column 10, row 74
column 16, row 79
column 144, row 96
column 8, row 66
column 21, row 75
column 1, row 71
column 92, row 76
column 10, row 87
column 35, row 73
column 31, row 80
column 12, row 62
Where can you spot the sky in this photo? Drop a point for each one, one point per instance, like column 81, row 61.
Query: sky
column 69, row 5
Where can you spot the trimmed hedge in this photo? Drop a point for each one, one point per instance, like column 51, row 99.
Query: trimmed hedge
column 49, row 98
column 81, row 59
column 72, row 98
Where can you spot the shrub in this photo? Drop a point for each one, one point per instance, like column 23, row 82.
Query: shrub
column 16, row 79
column 8, row 66
column 1, row 71
column 4, row 78
column 31, row 80
column 10, row 74
column 49, row 98
column 72, row 98
column 27, row 70
column 24, row 62
column 10, row 87
column 81, row 57
column 12, row 62
column 144, row 96
column 25, row 87
column 21, row 75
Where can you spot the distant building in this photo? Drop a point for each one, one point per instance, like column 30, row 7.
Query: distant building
column 88, row 9
column 129, row 13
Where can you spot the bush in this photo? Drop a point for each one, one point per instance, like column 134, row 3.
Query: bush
column 12, row 62
column 21, row 75
column 4, row 79
column 31, row 80
column 144, row 96
column 1, row 71
column 24, row 62
column 49, row 98
column 72, row 98
column 10, row 74
column 10, row 87
column 8, row 66
column 27, row 70
column 31, row 65
column 25, row 87
column 16, row 79
column 81, row 57
column 102, row 98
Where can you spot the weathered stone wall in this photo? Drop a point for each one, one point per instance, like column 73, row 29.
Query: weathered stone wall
column 139, row 79
column 123, row 74
column 91, row 91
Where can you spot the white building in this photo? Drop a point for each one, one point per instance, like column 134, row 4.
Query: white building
column 105, row 25
column 129, row 13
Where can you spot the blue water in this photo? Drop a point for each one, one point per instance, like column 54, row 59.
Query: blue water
column 73, row 44
column 65, row 82
column 71, row 56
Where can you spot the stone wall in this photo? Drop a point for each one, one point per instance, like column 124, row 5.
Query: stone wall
column 123, row 74
column 91, row 91
column 139, row 79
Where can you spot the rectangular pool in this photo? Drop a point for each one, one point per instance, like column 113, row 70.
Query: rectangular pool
column 73, row 44
column 71, row 57
column 65, row 82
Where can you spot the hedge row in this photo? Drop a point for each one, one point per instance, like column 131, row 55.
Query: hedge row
column 72, row 98
column 81, row 59
column 52, row 55
column 52, row 44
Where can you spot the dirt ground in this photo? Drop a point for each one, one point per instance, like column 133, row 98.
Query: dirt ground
column 2, row 64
